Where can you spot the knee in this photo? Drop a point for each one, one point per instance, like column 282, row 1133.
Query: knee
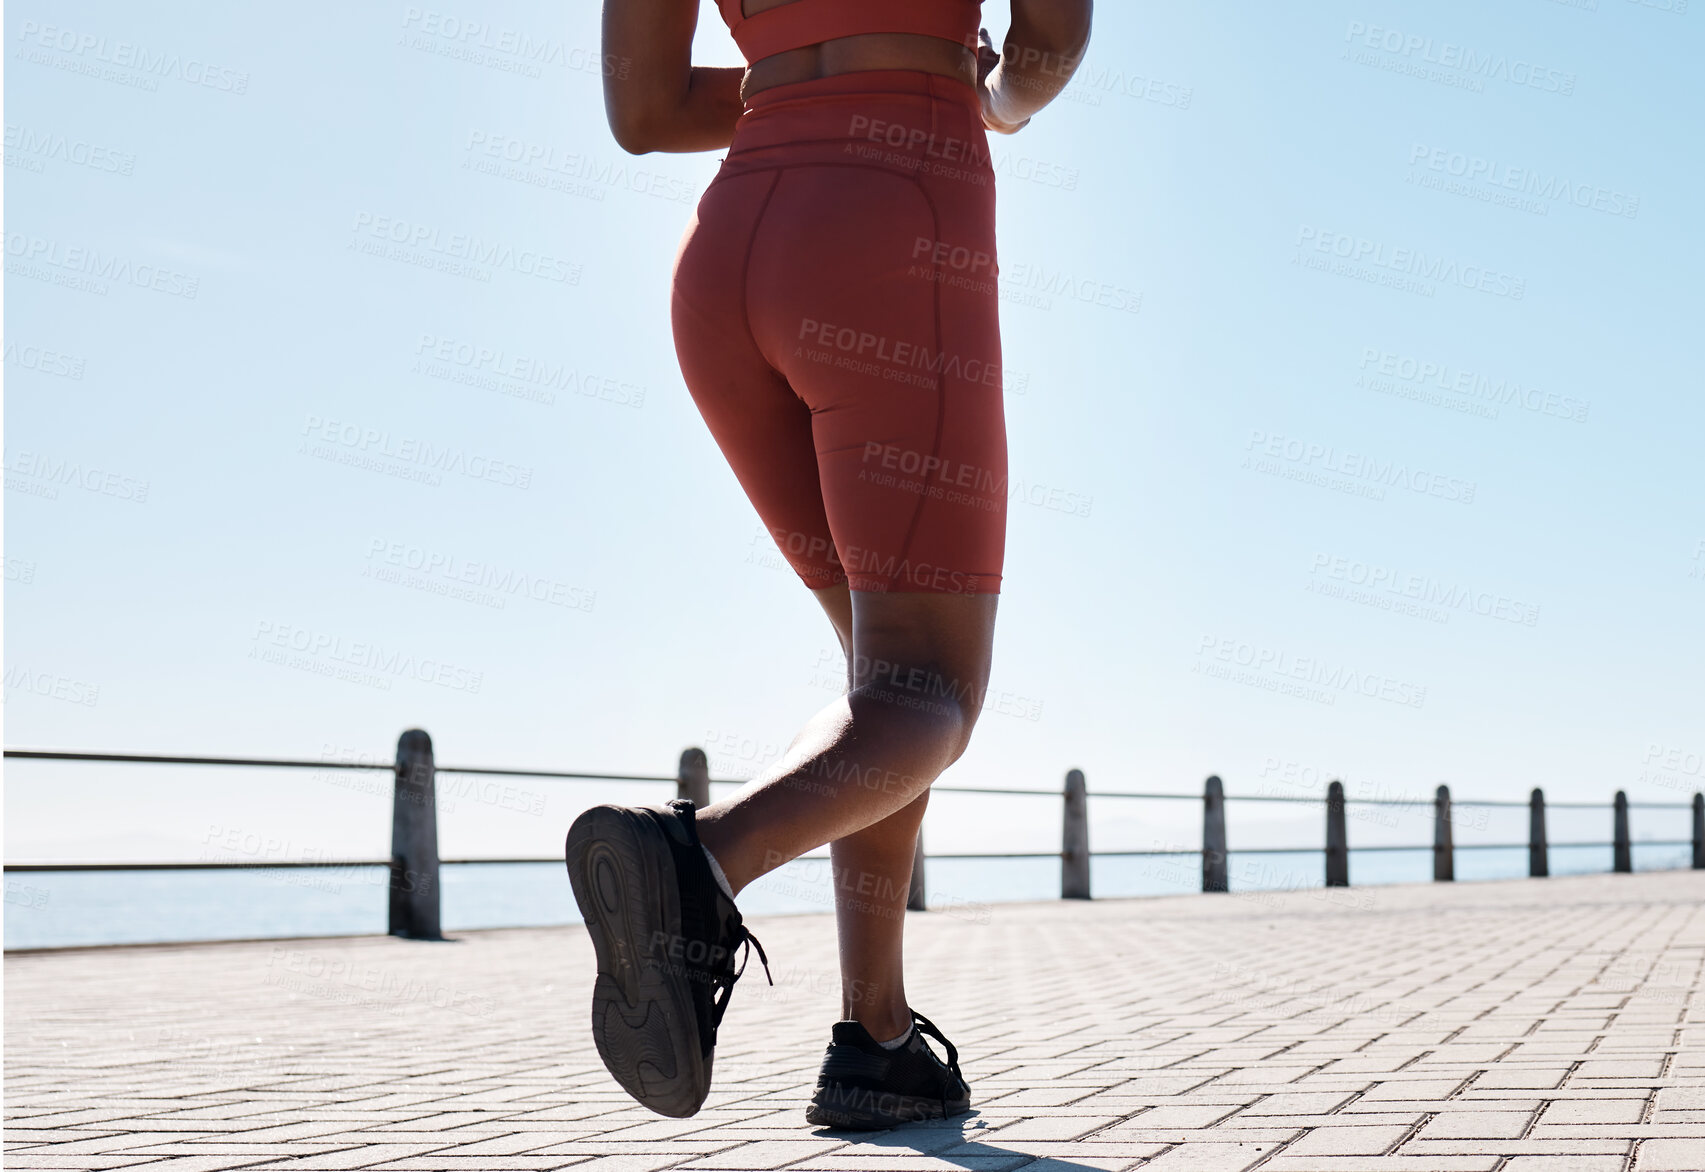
column 945, row 703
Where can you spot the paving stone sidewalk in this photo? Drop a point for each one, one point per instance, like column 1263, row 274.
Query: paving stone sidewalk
column 1552, row 1025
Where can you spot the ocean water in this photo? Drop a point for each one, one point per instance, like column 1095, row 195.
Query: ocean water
column 63, row 909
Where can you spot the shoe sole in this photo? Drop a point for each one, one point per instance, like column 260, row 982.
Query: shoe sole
column 643, row 1018
column 858, row 1109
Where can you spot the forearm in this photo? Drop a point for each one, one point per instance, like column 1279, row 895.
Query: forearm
column 1041, row 52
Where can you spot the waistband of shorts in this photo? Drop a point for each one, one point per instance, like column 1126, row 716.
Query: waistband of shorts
column 902, row 82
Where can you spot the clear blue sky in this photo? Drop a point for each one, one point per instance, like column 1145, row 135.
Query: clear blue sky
column 1417, row 312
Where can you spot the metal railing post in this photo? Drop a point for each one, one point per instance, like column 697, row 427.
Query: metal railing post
column 1337, row 838
column 1444, row 851
column 915, row 901
column 692, row 778
column 1622, row 853
column 1074, row 839
column 414, row 841
column 1538, row 850
column 1699, row 832
column 1213, row 836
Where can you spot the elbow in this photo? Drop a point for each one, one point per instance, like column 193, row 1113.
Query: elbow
column 633, row 133
column 630, row 113
column 635, row 146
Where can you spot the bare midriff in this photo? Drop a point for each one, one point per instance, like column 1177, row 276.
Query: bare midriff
column 851, row 54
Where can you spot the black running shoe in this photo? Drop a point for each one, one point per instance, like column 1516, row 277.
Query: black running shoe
column 863, row 1087
column 665, row 935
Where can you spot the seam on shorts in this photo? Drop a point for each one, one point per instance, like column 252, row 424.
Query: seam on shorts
column 941, row 387
column 940, row 392
column 746, row 267
column 940, row 344
column 935, row 296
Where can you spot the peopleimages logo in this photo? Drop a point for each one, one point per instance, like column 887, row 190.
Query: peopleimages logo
column 326, row 651
column 461, row 246
column 39, row 474
column 1410, row 262
column 1416, row 53
column 52, row 685
column 44, row 147
column 544, row 165
column 521, row 375
column 959, row 257
column 1307, row 672
column 1038, row 280
column 866, row 353
column 393, row 990
column 89, row 269
column 1525, row 181
column 1675, row 760
column 44, row 361
column 918, row 139
column 1091, row 81
column 956, row 482
column 1044, row 172
column 330, row 438
column 88, row 52
column 481, row 43
column 1465, row 385
column 501, row 581
column 1266, row 449
column 1425, row 589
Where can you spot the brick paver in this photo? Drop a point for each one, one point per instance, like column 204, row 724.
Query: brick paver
column 1527, row 1026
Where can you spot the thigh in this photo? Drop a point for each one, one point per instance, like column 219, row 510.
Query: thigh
column 762, row 427
column 898, row 359
column 952, row 632
column 836, row 602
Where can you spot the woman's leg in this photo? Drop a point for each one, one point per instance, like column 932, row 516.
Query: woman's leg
column 872, row 875
column 858, row 399
column 917, row 661
column 919, row 668
column 911, row 479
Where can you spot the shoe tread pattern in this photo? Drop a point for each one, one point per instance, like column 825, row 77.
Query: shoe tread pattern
column 643, row 1020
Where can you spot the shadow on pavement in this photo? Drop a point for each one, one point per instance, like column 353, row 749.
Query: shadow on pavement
column 955, row 1141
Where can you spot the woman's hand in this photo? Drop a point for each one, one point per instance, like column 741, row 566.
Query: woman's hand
column 987, row 61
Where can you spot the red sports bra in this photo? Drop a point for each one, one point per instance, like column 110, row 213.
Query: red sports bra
column 799, row 23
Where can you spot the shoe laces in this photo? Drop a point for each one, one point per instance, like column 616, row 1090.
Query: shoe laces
column 927, row 1027
column 722, row 984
